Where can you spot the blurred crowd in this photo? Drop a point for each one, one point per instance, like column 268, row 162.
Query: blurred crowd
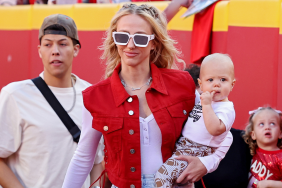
column 50, row 2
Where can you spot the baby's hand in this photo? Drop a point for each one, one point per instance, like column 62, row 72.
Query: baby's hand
column 206, row 97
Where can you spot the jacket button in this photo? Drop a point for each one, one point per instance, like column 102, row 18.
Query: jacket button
column 132, row 169
column 132, row 151
column 131, row 132
column 184, row 112
column 106, row 128
column 132, row 186
column 131, row 112
column 129, row 99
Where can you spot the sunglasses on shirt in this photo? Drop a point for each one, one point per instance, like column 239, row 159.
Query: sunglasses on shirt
column 140, row 40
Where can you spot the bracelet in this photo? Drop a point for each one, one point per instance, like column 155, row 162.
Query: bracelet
column 96, row 187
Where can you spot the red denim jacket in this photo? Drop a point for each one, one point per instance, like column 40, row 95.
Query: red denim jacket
column 116, row 114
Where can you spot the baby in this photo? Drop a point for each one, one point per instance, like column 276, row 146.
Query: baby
column 209, row 121
column 263, row 134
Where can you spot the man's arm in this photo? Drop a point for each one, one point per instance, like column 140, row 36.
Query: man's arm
column 7, row 177
column 10, row 138
column 199, row 166
column 172, row 9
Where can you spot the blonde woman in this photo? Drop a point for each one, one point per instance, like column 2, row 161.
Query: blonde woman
column 140, row 107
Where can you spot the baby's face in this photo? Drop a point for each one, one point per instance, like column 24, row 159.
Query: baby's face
column 266, row 129
column 217, row 77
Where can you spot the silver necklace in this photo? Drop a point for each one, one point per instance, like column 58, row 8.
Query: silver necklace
column 137, row 88
column 74, row 96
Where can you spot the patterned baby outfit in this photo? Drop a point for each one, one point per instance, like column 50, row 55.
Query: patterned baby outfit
column 172, row 168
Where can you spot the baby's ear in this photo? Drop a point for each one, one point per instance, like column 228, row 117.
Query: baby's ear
column 200, row 83
column 253, row 135
column 233, row 83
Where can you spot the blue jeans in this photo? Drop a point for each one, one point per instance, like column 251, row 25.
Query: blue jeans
column 148, row 181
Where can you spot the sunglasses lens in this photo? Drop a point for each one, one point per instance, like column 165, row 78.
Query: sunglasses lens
column 121, row 38
column 141, row 40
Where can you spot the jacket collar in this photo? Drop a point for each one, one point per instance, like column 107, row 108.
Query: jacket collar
column 120, row 94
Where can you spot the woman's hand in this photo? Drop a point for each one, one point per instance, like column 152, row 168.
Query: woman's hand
column 194, row 171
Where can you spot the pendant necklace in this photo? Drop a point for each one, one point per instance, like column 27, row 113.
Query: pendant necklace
column 137, row 88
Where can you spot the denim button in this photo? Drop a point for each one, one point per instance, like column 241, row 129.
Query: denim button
column 131, row 112
column 132, row 151
column 131, row 132
column 132, row 169
column 132, row 186
column 129, row 99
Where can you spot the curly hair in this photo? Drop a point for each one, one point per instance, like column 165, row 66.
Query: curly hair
column 250, row 127
column 165, row 53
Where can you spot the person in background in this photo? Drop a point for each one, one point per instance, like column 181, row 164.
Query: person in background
column 40, row 2
column 61, row 2
column 264, row 136
column 194, row 71
column 35, row 145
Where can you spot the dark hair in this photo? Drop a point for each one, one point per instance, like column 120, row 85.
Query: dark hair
column 57, row 27
column 194, row 71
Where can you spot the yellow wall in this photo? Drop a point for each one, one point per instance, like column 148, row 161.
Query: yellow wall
column 88, row 17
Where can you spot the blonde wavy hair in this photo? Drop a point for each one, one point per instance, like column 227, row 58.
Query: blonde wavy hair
column 165, row 53
column 250, row 127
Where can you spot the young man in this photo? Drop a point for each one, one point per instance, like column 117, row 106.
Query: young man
column 35, row 146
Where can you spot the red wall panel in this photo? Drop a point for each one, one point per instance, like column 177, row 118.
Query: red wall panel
column 279, row 75
column 35, row 61
column 255, row 55
column 87, row 65
column 14, row 56
column 184, row 43
column 219, row 42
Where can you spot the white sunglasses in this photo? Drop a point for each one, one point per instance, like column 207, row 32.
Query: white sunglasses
column 140, row 40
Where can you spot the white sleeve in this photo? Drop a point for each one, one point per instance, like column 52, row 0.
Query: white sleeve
column 227, row 115
column 82, row 161
column 197, row 98
column 211, row 162
column 10, row 125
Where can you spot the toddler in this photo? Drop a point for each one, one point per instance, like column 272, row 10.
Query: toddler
column 209, row 121
column 263, row 134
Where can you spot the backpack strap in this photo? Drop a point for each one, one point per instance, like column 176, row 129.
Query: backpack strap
column 57, row 107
